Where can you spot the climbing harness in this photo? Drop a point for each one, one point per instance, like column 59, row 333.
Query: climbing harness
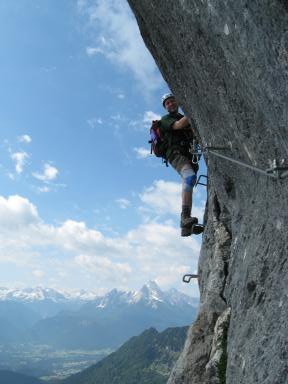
column 194, row 149
column 276, row 171
column 187, row 278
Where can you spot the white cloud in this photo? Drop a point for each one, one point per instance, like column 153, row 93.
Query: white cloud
column 16, row 211
column 198, row 210
column 49, row 173
column 25, row 139
column 163, row 197
column 149, row 116
column 100, row 264
column 92, row 51
column 142, row 153
column 17, row 214
column 145, row 122
column 151, row 250
column 117, row 37
column 20, row 160
column 121, row 96
column 123, row 203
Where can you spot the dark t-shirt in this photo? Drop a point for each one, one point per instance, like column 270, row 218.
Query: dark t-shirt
column 176, row 139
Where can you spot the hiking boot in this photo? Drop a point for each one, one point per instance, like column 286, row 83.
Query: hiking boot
column 187, row 222
column 195, row 229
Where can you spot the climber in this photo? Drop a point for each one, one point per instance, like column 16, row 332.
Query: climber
column 176, row 130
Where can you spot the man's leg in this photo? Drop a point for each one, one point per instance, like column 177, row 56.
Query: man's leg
column 184, row 167
column 188, row 182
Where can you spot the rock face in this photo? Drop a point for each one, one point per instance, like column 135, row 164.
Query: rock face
column 227, row 63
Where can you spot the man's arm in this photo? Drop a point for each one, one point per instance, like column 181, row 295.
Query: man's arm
column 183, row 123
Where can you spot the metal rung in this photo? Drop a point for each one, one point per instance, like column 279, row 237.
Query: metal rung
column 187, row 278
column 198, row 181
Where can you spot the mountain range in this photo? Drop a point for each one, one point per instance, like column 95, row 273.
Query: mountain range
column 150, row 292
column 84, row 320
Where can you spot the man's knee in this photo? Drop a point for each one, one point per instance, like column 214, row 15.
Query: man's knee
column 189, row 178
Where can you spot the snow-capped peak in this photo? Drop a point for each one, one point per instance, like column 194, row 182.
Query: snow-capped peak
column 149, row 295
column 32, row 294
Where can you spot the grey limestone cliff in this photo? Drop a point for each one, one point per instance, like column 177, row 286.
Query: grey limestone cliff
column 227, row 63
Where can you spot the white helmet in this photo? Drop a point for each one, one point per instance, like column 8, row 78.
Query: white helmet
column 166, row 97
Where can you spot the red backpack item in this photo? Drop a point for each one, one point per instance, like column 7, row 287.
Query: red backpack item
column 158, row 145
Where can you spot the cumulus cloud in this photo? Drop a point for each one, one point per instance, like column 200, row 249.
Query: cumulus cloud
column 19, row 159
column 103, row 264
column 49, row 173
column 15, row 212
column 163, row 196
column 151, row 250
column 25, row 139
column 142, row 153
column 117, row 37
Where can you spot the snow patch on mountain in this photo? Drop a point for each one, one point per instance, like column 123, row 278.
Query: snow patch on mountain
column 150, row 295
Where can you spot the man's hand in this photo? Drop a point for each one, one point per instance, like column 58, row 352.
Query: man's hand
column 183, row 123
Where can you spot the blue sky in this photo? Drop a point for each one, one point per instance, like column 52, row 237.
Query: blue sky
column 82, row 203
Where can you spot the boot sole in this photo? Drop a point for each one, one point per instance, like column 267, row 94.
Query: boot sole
column 196, row 229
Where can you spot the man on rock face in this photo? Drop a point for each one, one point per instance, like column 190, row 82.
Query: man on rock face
column 176, row 131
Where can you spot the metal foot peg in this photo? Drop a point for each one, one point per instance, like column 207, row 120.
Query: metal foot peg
column 187, row 278
column 197, row 229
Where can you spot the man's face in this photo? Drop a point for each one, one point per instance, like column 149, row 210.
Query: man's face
column 171, row 105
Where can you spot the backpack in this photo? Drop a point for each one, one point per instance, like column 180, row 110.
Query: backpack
column 158, row 144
